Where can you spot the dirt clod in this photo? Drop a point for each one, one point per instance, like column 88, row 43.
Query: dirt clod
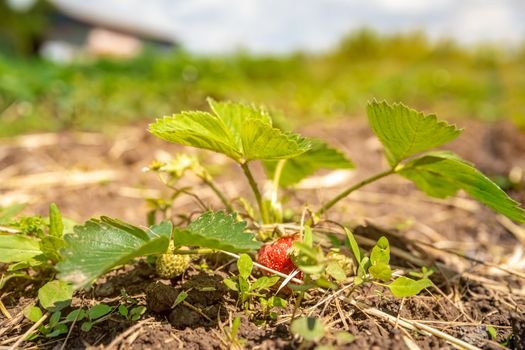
column 206, row 289
column 160, row 297
column 518, row 331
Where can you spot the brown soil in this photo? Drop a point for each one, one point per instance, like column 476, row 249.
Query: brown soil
column 474, row 295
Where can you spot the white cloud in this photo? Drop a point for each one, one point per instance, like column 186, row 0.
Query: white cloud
column 282, row 25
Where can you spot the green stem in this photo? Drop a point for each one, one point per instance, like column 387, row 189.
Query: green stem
column 277, row 180
column 351, row 189
column 257, row 194
column 193, row 251
column 219, row 193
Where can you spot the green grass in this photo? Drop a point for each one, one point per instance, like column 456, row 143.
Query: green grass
column 454, row 82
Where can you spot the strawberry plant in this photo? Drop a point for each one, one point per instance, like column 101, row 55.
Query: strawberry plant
column 246, row 134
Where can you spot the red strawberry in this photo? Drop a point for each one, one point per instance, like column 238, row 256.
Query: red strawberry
column 276, row 255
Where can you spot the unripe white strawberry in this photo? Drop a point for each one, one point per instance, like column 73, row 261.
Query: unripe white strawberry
column 344, row 261
column 171, row 265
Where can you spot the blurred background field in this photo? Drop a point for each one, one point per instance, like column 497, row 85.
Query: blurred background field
column 43, row 92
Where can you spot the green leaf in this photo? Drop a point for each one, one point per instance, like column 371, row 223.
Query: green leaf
column 100, row 245
column 180, row 298
column 405, row 132
column 245, row 266
column 53, row 320
column 197, row 129
column 58, row 330
column 406, row 287
column 264, row 282
column 380, row 252
column 77, row 315
column 336, row 271
column 344, row 337
column 309, row 328
column 14, row 248
column 240, row 132
column 123, row 310
column 217, row 230
column 275, row 301
column 381, row 271
column 353, row 245
column 320, row 156
column 361, row 271
column 244, row 286
column 442, row 174
column 137, row 312
column 492, row 332
column 98, row 311
column 33, row 313
column 235, row 114
column 308, row 238
column 231, row 284
column 9, row 212
column 86, row 326
column 25, row 264
column 55, row 295
column 56, row 227
column 235, row 327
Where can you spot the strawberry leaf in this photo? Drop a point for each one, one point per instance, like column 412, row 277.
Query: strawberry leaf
column 240, row 132
column 14, row 248
column 100, row 245
column 217, row 231
column 405, row 132
column 320, row 156
column 406, row 287
column 442, row 174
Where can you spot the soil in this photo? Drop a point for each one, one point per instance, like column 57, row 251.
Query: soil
column 473, row 296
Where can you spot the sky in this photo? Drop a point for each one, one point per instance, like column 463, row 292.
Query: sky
column 280, row 26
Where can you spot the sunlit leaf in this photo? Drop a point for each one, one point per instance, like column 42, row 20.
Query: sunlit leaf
column 240, row 132
column 14, row 248
column 264, row 282
column 309, row 328
column 356, row 251
column 56, row 226
column 406, row 287
column 100, row 245
column 381, row 271
column 442, row 174
column 33, row 313
column 245, row 266
column 336, row 271
column 405, row 132
column 55, row 295
column 380, row 252
column 217, row 231
column 98, row 311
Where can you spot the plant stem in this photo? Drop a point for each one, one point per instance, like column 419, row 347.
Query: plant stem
column 219, row 193
column 193, row 251
column 257, row 194
column 351, row 189
column 277, row 180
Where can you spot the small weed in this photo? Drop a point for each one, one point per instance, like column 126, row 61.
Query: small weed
column 251, row 291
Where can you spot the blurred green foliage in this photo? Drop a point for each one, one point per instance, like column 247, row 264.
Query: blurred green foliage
column 482, row 82
column 22, row 30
